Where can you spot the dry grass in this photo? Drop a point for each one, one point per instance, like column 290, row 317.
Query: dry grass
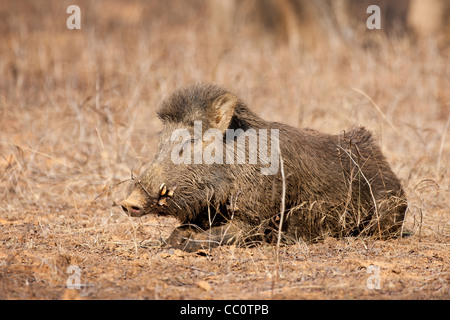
column 77, row 113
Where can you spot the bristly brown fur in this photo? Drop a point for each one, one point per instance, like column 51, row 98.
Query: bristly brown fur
column 336, row 185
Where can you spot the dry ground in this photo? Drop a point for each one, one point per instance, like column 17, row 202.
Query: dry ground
column 77, row 114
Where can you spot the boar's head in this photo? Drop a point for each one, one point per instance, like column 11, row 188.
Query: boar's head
column 175, row 183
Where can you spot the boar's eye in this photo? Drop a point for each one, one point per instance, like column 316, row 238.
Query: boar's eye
column 192, row 140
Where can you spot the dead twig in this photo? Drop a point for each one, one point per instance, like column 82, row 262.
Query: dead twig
column 283, row 196
column 370, row 189
column 112, row 187
column 389, row 122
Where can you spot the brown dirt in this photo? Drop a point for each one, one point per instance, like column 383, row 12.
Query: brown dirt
column 77, row 113
column 118, row 260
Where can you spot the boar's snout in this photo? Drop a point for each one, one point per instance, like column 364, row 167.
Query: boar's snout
column 134, row 204
column 131, row 208
column 140, row 203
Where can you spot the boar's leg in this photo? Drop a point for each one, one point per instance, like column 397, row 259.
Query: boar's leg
column 189, row 238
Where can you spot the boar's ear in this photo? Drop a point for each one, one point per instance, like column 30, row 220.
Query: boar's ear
column 223, row 110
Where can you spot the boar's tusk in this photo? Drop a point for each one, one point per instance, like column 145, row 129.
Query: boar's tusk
column 162, row 189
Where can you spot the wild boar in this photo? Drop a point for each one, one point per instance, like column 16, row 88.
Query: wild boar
column 229, row 177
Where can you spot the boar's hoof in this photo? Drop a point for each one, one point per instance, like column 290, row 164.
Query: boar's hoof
column 186, row 239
